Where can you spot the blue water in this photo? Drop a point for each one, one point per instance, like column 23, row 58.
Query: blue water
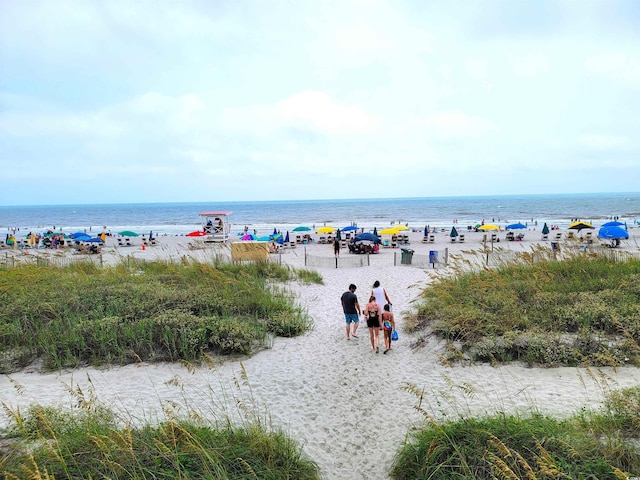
column 181, row 218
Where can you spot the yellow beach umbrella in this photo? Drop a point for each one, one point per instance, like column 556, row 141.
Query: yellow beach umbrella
column 325, row 230
column 388, row 231
column 487, row 227
column 401, row 227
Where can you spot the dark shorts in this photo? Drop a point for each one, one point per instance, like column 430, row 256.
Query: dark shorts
column 373, row 322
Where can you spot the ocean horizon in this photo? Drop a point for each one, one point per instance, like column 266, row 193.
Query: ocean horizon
column 180, row 218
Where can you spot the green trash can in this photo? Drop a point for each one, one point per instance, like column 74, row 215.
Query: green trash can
column 406, row 256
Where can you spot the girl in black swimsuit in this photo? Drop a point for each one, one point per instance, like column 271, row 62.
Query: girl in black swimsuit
column 372, row 314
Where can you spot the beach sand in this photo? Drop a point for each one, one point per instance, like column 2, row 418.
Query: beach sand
column 348, row 407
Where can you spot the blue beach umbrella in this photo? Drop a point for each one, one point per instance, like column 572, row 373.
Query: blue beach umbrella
column 613, row 224
column 286, row 239
column 613, row 233
column 350, row 228
column 93, row 240
column 367, row 237
column 80, row 236
column 516, row 226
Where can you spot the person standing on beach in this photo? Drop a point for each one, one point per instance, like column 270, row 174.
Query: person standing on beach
column 336, row 247
column 351, row 309
column 388, row 325
column 381, row 297
column 372, row 314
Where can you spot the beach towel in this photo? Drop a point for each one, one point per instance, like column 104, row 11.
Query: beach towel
column 387, row 325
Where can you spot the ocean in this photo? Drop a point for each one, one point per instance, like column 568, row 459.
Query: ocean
column 182, row 218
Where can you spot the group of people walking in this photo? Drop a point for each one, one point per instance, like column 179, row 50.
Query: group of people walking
column 377, row 313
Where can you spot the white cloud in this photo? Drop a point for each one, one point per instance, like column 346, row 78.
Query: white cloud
column 530, row 65
column 620, row 66
column 451, row 125
column 319, row 110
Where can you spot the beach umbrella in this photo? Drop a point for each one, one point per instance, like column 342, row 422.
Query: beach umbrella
column 350, row 228
column 613, row 224
column 79, row 235
column 580, row 225
column 613, row 233
column 128, row 233
column 487, row 227
column 516, row 226
column 375, row 231
column 279, row 240
column 247, row 237
column 401, row 227
column 325, row 230
column 266, row 238
column 338, row 235
column 197, row 233
column 275, row 231
column 388, row 231
column 454, row 232
column 367, row 237
column 426, row 231
column 301, row 228
column 286, row 239
column 93, row 240
column 545, row 229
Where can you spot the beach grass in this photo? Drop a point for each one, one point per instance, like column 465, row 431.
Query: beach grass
column 152, row 311
column 90, row 440
column 582, row 310
column 536, row 446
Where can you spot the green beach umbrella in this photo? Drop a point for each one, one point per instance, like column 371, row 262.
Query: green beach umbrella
column 128, row 233
column 545, row 229
column 454, row 232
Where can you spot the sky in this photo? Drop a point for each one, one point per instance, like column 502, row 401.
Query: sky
column 121, row 101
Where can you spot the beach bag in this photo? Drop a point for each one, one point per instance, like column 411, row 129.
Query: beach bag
column 394, row 335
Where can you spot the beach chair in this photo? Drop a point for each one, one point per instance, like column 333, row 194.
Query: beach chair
column 559, row 236
column 432, row 238
column 461, row 238
column 120, row 244
column 545, row 237
column 453, row 239
column 128, row 242
column 510, row 236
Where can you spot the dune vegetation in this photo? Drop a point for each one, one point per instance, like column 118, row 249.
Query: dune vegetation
column 84, row 314
column 579, row 311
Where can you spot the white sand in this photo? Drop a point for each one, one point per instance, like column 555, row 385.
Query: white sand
column 346, row 405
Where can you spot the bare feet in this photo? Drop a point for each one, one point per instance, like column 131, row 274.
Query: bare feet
column 377, row 349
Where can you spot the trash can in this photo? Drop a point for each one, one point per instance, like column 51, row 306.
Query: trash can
column 433, row 256
column 407, row 255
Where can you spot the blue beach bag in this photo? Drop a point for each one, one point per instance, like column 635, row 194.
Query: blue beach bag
column 394, row 335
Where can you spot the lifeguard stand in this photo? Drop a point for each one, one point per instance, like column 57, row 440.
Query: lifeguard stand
column 216, row 226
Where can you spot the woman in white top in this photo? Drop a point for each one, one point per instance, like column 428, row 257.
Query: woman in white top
column 382, row 298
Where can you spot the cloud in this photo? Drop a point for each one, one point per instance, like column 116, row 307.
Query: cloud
column 453, row 125
column 319, row 110
column 619, row 66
